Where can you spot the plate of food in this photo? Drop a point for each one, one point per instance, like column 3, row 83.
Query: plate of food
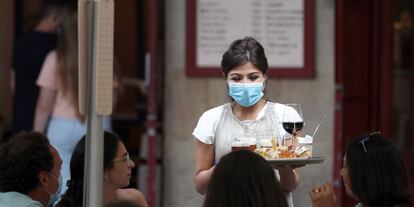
column 280, row 155
column 283, row 155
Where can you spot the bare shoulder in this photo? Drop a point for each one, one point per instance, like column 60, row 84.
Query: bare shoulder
column 132, row 195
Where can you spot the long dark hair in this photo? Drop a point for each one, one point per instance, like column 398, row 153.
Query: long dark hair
column 244, row 179
column 242, row 51
column 74, row 194
column 67, row 58
column 378, row 175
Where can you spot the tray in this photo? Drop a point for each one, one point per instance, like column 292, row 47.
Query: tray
column 295, row 161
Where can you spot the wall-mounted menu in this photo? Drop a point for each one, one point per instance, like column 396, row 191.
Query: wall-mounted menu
column 277, row 24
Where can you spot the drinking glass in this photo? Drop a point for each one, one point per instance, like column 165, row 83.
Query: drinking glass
column 292, row 121
column 243, row 141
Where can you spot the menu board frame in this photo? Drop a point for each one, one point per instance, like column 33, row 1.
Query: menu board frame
column 307, row 71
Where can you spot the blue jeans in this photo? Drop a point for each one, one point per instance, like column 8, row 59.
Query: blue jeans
column 64, row 134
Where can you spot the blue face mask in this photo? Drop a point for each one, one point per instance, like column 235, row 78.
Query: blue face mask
column 246, row 94
column 55, row 196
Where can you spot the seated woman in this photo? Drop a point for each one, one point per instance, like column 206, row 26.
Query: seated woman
column 243, row 179
column 117, row 173
column 373, row 174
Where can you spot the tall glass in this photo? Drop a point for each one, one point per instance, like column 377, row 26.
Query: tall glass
column 244, row 140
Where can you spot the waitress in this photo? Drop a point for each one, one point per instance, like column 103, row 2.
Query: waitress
column 245, row 68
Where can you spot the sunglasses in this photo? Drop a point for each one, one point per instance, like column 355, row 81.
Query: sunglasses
column 366, row 138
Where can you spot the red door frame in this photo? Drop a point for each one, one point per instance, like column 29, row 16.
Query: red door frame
column 353, row 79
column 409, row 155
column 339, row 70
column 154, row 8
column 365, row 61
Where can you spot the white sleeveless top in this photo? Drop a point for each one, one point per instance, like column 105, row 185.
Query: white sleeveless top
column 219, row 125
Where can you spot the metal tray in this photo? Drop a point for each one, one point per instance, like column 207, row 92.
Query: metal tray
column 295, row 161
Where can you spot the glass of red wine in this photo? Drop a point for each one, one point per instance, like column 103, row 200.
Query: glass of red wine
column 292, row 120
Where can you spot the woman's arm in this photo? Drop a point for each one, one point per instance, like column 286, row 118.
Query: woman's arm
column 44, row 108
column 204, row 158
column 289, row 178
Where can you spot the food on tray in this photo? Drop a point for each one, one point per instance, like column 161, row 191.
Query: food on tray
column 269, row 149
column 287, row 154
column 306, row 154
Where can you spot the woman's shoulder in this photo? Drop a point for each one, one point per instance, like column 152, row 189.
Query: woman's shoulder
column 51, row 56
column 133, row 195
column 50, row 60
column 47, row 76
column 213, row 113
column 276, row 106
column 52, row 53
column 216, row 109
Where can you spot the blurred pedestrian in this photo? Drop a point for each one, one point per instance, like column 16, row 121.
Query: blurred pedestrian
column 29, row 54
column 57, row 110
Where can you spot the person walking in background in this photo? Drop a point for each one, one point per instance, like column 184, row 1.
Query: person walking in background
column 29, row 54
column 244, row 179
column 29, row 171
column 58, row 98
column 117, row 173
column 245, row 68
column 373, row 173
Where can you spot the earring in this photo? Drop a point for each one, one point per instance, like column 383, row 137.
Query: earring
column 107, row 179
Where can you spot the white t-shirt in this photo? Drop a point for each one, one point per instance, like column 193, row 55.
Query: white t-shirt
column 207, row 124
column 16, row 199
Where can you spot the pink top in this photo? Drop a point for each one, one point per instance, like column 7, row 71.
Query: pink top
column 49, row 78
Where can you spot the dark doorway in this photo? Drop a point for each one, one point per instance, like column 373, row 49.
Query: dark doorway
column 373, row 76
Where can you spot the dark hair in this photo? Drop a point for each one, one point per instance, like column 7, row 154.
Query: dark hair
column 242, row 51
column 74, row 194
column 22, row 158
column 244, row 179
column 123, row 204
column 50, row 7
column 377, row 172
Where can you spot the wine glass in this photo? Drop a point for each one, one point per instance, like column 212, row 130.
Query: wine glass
column 292, row 120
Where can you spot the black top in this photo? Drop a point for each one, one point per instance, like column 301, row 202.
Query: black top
column 28, row 57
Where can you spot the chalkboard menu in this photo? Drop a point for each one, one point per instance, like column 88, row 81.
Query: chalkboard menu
column 285, row 28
